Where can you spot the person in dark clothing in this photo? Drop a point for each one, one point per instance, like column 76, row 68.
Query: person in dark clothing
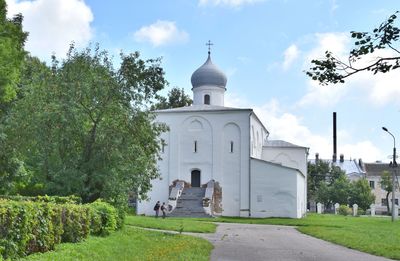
column 164, row 210
column 157, row 208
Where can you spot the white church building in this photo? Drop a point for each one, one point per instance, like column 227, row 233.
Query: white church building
column 218, row 160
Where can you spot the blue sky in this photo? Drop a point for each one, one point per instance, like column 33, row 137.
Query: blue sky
column 263, row 47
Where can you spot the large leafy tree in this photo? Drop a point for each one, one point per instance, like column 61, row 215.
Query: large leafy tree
column 317, row 175
column 84, row 127
column 176, row 98
column 328, row 184
column 12, row 54
column 332, row 69
column 339, row 190
column 322, row 181
column 361, row 194
column 12, row 39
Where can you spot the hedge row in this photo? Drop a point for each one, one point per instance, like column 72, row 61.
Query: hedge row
column 27, row 227
column 53, row 199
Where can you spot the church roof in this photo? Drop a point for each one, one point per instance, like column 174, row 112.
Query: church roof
column 202, row 107
column 208, row 74
column 281, row 144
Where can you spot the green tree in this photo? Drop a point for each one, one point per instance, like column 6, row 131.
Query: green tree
column 340, row 190
column 12, row 39
column 327, row 183
column 176, row 98
column 317, row 174
column 84, row 127
column 386, row 184
column 361, row 194
column 331, row 69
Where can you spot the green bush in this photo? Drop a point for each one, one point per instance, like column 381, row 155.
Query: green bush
column 360, row 212
column 108, row 217
column 37, row 226
column 28, row 227
column 76, row 222
column 344, row 210
column 54, row 199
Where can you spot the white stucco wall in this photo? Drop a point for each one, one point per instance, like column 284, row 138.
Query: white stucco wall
column 214, row 131
column 276, row 190
column 216, row 95
column 293, row 157
column 301, row 195
column 258, row 134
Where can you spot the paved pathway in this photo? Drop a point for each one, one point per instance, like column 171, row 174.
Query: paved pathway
column 277, row 243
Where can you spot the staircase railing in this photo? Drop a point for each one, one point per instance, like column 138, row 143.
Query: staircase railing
column 208, row 199
column 176, row 192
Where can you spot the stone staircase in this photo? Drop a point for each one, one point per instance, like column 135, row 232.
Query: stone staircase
column 190, row 204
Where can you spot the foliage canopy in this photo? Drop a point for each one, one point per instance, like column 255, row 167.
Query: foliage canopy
column 84, row 127
column 332, row 69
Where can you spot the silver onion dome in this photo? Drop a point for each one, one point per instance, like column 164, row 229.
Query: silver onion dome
column 208, row 74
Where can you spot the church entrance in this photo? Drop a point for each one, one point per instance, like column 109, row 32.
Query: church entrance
column 195, row 178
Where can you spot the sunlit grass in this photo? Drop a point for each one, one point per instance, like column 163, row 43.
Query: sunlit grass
column 378, row 236
column 131, row 244
column 174, row 224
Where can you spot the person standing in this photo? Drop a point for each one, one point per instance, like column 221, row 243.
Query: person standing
column 164, row 210
column 157, row 208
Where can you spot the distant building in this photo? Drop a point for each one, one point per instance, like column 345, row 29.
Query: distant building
column 353, row 168
column 374, row 176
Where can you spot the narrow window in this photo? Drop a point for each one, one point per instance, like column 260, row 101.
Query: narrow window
column 163, row 144
column 195, row 146
column 207, row 99
column 372, row 184
column 231, row 146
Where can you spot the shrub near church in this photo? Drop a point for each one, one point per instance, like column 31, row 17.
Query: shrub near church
column 28, row 226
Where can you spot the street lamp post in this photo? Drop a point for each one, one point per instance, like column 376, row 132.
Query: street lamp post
column 394, row 165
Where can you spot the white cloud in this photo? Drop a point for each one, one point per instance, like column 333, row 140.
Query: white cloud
column 53, row 24
column 322, row 95
column 229, row 3
column 161, row 33
column 290, row 54
column 381, row 88
column 289, row 127
column 377, row 89
column 327, row 95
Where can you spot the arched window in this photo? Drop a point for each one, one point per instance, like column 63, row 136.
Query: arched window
column 207, row 99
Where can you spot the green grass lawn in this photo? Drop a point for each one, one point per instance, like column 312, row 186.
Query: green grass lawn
column 132, row 244
column 174, row 224
column 378, row 236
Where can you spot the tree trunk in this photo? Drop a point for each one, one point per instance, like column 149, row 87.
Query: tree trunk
column 387, row 202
